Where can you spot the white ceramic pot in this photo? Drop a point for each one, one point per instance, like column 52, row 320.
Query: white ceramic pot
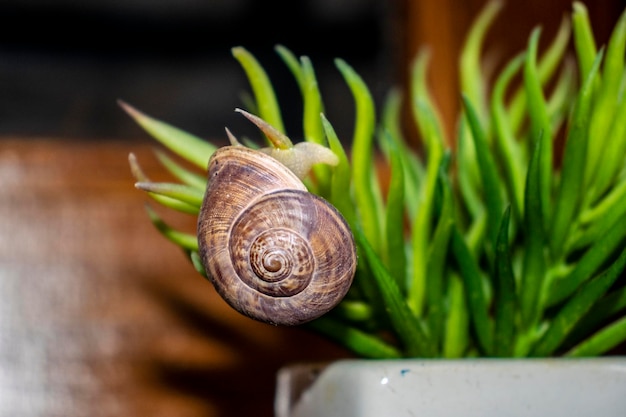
column 444, row 388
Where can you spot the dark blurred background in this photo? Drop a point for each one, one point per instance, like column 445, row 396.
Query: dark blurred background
column 64, row 63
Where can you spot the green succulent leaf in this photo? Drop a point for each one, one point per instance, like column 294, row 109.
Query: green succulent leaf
column 196, row 261
column 471, row 72
column 365, row 183
column 510, row 154
column 186, row 145
column 265, row 97
column 570, row 190
column 577, row 306
column 437, row 260
column 456, row 332
column 476, row 300
column 603, row 219
column 540, row 127
column 607, row 96
column 406, row 325
column 614, row 150
column 293, row 63
column 411, row 164
column 505, row 293
column 602, row 311
column 358, row 341
column 313, row 127
column 534, row 262
column 181, row 173
column 394, row 216
column 584, row 40
column 182, row 239
column 547, row 66
column 354, row 311
column 590, row 262
column 180, row 192
column 488, row 172
column 602, row 341
column 340, row 187
column 424, row 112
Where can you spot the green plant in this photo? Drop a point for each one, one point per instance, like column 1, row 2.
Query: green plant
column 481, row 246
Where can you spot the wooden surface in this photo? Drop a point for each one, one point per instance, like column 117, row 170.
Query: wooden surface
column 101, row 316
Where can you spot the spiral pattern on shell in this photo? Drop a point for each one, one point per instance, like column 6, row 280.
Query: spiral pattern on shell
column 273, row 251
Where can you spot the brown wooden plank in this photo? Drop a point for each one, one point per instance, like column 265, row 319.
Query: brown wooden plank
column 101, row 316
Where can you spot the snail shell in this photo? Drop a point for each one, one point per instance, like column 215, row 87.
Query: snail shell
column 273, row 251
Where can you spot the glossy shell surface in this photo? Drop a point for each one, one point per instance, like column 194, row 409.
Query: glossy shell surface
column 274, row 251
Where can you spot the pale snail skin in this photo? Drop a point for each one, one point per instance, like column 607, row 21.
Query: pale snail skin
column 258, row 220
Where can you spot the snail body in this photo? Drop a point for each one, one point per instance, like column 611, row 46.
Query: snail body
column 273, row 251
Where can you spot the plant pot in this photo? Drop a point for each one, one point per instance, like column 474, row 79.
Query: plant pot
column 468, row 387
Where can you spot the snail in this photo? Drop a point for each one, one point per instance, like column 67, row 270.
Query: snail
column 275, row 252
